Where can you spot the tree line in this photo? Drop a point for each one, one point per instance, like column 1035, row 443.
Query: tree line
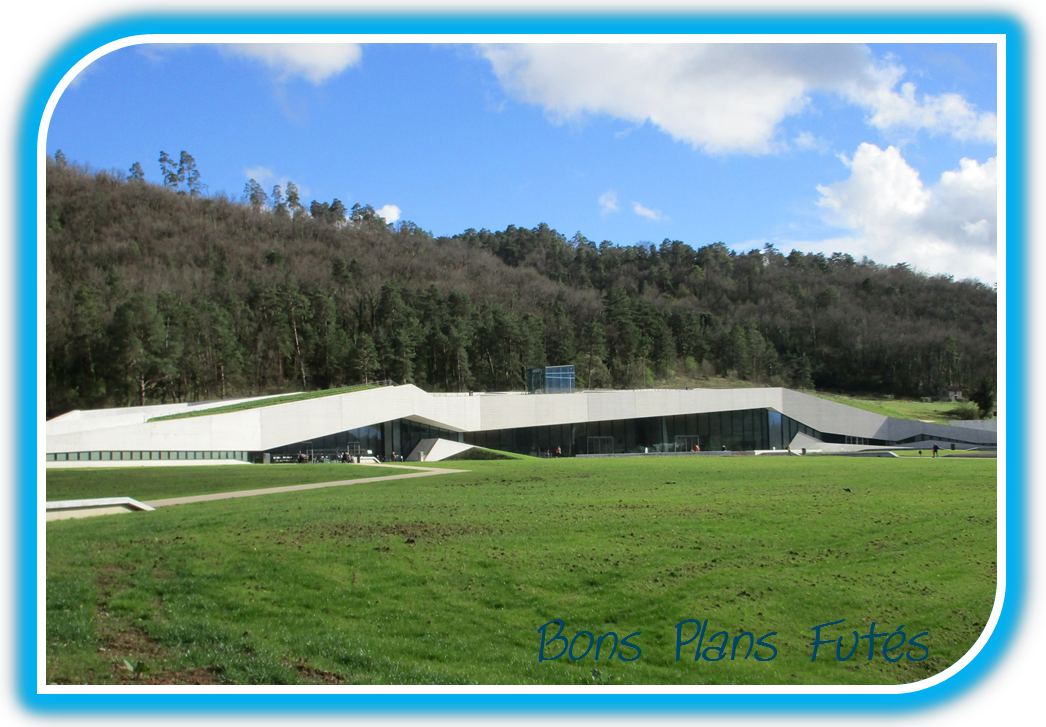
column 159, row 293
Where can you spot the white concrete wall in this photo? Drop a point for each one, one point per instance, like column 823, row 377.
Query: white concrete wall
column 436, row 450
column 829, row 416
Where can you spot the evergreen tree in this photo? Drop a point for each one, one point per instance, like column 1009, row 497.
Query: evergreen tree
column 279, row 205
column 168, row 172
column 294, row 205
column 365, row 362
column 336, row 211
column 189, row 174
column 138, row 336
column 254, row 195
column 984, row 397
column 320, row 211
column 560, row 346
column 592, row 368
column 136, row 174
column 396, row 333
column 623, row 339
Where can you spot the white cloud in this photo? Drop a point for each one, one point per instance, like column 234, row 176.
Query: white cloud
column 315, row 62
column 259, row 174
column 808, row 141
column 947, row 113
column 389, row 212
column 948, row 227
column 608, row 202
column 269, row 178
column 723, row 98
column 644, row 211
column 160, row 53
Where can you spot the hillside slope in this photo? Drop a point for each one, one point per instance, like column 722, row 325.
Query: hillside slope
column 155, row 296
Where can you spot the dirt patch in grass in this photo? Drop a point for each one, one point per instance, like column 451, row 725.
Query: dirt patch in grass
column 196, row 675
column 126, row 641
column 132, row 654
column 108, row 575
column 312, row 675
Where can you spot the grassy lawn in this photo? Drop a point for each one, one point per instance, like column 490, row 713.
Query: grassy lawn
column 447, row 579
column 927, row 453
column 932, row 411
column 285, row 399
column 148, row 483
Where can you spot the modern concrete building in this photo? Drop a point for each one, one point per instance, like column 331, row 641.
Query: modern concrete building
column 393, row 421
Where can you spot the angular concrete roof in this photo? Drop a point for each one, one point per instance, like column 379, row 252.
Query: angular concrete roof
column 265, row 427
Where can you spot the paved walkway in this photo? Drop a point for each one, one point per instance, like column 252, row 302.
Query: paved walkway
column 418, row 472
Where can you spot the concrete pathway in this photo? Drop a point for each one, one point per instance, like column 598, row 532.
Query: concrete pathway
column 67, row 509
column 418, row 472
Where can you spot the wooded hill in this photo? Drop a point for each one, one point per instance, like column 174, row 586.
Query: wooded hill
column 159, row 296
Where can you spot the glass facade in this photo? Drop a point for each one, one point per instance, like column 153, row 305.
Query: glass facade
column 731, row 430
column 363, row 441
column 386, row 441
column 743, row 430
column 134, row 455
column 551, row 380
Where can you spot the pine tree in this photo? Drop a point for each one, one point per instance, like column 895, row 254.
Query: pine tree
column 294, row 205
column 336, row 211
column 396, row 329
column 189, row 174
column 254, row 195
column 984, row 397
column 365, row 362
column 136, row 174
column 168, row 172
column 279, row 205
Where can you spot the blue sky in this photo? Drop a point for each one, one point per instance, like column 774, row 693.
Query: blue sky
column 879, row 150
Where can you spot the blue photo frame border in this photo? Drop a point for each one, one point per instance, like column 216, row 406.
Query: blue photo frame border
column 27, row 383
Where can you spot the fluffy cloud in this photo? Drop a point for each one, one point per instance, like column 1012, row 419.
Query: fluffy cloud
column 948, row 227
column 389, row 212
column 644, row 211
column 259, row 174
column 947, row 113
column 269, row 178
column 608, row 202
column 315, row 62
column 723, row 98
column 807, row 141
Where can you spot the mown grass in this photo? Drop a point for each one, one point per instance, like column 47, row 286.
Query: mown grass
column 486, row 453
column 447, row 579
column 927, row 453
column 243, row 405
column 147, row 483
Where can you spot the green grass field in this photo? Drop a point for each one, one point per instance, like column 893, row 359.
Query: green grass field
column 447, row 579
column 928, row 411
column 927, row 453
column 257, row 404
column 148, row 483
column 932, row 411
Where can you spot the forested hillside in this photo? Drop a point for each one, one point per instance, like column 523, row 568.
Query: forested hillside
column 158, row 296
